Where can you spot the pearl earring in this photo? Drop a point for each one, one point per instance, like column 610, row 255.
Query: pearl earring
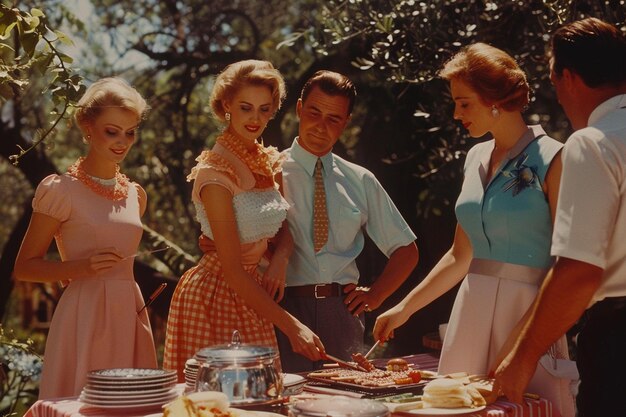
column 494, row 111
column 227, row 116
column 87, row 139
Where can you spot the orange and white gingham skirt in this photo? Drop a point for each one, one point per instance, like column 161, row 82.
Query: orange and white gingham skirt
column 205, row 311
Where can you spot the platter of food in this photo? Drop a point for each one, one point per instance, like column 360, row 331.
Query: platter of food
column 443, row 396
column 396, row 377
column 449, row 397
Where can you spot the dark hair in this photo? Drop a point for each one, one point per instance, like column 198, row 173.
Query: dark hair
column 492, row 73
column 247, row 72
column 331, row 83
column 593, row 49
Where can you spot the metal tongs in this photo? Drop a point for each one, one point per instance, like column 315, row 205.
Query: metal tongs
column 343, row 363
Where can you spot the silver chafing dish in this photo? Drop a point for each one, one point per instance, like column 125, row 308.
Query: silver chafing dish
column 247, row 374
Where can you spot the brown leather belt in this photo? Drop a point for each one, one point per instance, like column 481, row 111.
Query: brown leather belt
column 315, row 291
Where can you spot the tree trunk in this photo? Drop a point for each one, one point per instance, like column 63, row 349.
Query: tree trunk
column 35, row 166
column 8, row 258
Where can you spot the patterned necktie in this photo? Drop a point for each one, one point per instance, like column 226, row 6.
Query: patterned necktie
column 320, row 215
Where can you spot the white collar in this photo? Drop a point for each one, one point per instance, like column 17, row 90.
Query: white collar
column 606, row 107
column 307, row 159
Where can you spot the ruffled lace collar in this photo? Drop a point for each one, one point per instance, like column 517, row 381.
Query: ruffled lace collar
column 264, row 162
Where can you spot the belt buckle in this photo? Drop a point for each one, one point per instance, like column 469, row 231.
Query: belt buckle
column 315, row 291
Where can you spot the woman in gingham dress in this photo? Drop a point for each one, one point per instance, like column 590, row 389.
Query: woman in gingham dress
column 239, row 207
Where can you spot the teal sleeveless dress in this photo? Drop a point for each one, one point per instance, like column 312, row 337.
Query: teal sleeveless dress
column 509, row 225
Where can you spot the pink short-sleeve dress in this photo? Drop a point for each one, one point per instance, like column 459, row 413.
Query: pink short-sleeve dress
column 95, row 324
column 204, row 310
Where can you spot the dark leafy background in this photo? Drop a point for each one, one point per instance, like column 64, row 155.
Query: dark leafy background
column 402, row 128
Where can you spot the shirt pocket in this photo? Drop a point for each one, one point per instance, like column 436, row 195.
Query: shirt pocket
column 349, row 225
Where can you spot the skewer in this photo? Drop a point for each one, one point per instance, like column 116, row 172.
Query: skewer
column 154, row 295
column 369, row 352
column 344, row 363
column 145, row 253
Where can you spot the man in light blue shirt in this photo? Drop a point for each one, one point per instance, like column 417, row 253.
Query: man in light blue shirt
column 321, row 286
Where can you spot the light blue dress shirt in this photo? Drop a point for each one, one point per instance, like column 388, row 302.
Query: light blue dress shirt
column 355, row 201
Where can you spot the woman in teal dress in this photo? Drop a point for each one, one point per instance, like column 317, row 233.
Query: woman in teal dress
column 505, row 211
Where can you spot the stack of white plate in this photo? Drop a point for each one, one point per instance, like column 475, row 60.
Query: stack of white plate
column 202, row 354
column 293, row 384
column 191, row 373
column 129, row 388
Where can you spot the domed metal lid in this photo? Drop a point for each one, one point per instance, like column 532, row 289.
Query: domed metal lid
column 235, row 352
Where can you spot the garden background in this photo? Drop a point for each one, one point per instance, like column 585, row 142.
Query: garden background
column 402, row 128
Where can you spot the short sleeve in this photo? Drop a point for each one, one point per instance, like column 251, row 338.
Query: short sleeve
column 582, row 231
column 51, row 198
column 385, row 225
column 206, row 175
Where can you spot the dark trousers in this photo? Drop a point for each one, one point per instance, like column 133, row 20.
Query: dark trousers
column 601, row 360
column 340, row 332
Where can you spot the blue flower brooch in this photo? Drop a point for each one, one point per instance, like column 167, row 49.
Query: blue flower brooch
column 521, row 176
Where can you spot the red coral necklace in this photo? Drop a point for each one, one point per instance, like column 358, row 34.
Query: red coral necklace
column 256, row 158
column 118, row 191
column 260, row 159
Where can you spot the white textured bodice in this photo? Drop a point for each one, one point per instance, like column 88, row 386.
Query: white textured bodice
column 259, row 213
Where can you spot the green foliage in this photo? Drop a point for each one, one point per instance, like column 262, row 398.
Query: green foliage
column 401, row 129
column 20, row 369
column 182, row 47
column 29, row 47
column 177, row 260
column 407, row 40
column 400, row 45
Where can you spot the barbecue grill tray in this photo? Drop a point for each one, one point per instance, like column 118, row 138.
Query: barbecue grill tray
column 367, row 391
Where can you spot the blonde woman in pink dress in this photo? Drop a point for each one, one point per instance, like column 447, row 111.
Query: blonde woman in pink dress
column 239, row 207
column 94, row 214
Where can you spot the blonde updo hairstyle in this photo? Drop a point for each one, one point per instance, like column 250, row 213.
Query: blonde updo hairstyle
column 105, row 93
column 492, row 73
column 248, row 72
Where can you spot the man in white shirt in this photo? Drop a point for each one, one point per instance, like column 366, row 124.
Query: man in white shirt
column 321, row 285
column 588, row 70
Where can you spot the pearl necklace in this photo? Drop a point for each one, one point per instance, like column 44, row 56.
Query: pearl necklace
column 107, row 182
column 113, row 189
